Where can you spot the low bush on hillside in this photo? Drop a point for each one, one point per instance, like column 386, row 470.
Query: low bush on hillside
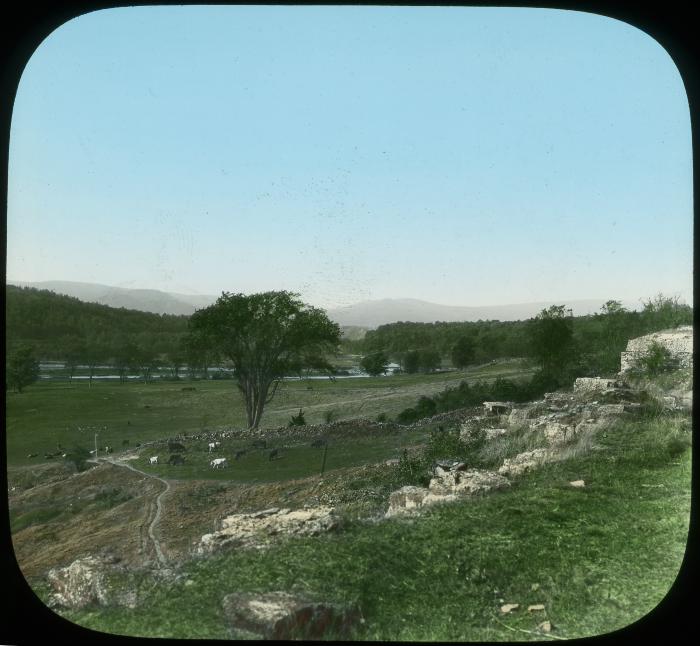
column 465, row 395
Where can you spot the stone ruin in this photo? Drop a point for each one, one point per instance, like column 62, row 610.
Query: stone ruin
column 679, row 342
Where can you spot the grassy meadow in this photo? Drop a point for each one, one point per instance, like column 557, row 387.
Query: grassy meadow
column 54, row 412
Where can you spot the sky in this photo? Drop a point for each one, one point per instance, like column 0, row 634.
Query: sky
column 464, row 156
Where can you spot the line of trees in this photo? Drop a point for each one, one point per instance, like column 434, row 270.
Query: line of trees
column 554, row 339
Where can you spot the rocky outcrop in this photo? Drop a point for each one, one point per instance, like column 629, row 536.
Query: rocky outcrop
column 595, row 384
column 410, row 499
column 525, row 462
column 452, row 481
column 679, row 342
column 88, row 581
column 281, row 615
column 469, row 482
column 258, row 528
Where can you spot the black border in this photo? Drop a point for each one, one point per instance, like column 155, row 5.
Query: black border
column 27, row 620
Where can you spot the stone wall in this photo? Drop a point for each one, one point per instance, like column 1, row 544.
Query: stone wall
column 678, row 342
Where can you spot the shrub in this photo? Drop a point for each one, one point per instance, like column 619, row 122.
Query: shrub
column 78, row 455
column 297, row 420
column 655, row 361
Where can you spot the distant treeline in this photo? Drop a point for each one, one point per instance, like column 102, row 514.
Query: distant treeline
column 598, row 339
column 63, row 328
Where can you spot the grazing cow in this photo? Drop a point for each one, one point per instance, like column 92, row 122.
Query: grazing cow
column 48, row 456
column 318, row 443
column 125, row 442
column 176, row 459
column 218, row 463
column 138, row 444
column 240, row 454
column 32, row 455
column 214, row 445
column 93, row 452
column 273, row 454
column 174, row 447
column 153, row 460
column 259, row 444
column 108, row 449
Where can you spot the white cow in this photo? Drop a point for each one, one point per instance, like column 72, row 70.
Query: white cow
column 213, row 445
column 153, row 460
column 218, row 463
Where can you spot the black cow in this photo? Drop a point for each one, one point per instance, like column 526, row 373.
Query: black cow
column 240, row 454
column 318, row 443
column 174, row 447
column 273, row 454
column 125, row 442
column 176, row 459
column 259, row 444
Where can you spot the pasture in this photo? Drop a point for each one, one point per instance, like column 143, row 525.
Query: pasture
column 51, row 413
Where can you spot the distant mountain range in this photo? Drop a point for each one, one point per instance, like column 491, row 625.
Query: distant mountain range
column 367, row 314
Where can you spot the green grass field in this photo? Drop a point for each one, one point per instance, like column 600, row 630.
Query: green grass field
column 598, row 558
column 49, row 413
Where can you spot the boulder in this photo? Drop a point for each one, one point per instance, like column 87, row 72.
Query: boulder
column 281, row 615
column 87, row 581
column 255, row 529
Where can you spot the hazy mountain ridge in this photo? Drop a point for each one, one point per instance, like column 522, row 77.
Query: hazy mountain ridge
column 375, row 313
column 146, row 300
column 367, row 314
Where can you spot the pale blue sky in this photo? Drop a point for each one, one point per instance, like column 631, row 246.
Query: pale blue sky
column 468, row 156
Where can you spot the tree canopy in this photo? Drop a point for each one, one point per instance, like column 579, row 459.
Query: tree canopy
column 265, row 336
column 22, row 369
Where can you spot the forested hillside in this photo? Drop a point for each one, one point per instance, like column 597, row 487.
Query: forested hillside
column 56, row 326
column 63, row 328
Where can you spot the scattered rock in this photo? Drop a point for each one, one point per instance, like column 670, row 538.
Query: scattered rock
column 578, row 483
column 280, row 615
column 535, row 607
column 545, row 627
column 509, row 607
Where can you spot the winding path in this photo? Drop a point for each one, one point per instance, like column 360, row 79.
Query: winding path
column 156, row 543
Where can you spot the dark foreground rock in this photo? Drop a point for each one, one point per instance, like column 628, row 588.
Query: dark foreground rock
column 281, row 615
column 91, row 580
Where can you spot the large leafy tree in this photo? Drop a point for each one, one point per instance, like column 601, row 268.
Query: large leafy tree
column 22, row 368
column 375, row 364
column 463, row 352
column 552, row 339
column 265, row 336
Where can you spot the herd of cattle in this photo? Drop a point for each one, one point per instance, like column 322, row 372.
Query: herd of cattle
column 176, row 448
